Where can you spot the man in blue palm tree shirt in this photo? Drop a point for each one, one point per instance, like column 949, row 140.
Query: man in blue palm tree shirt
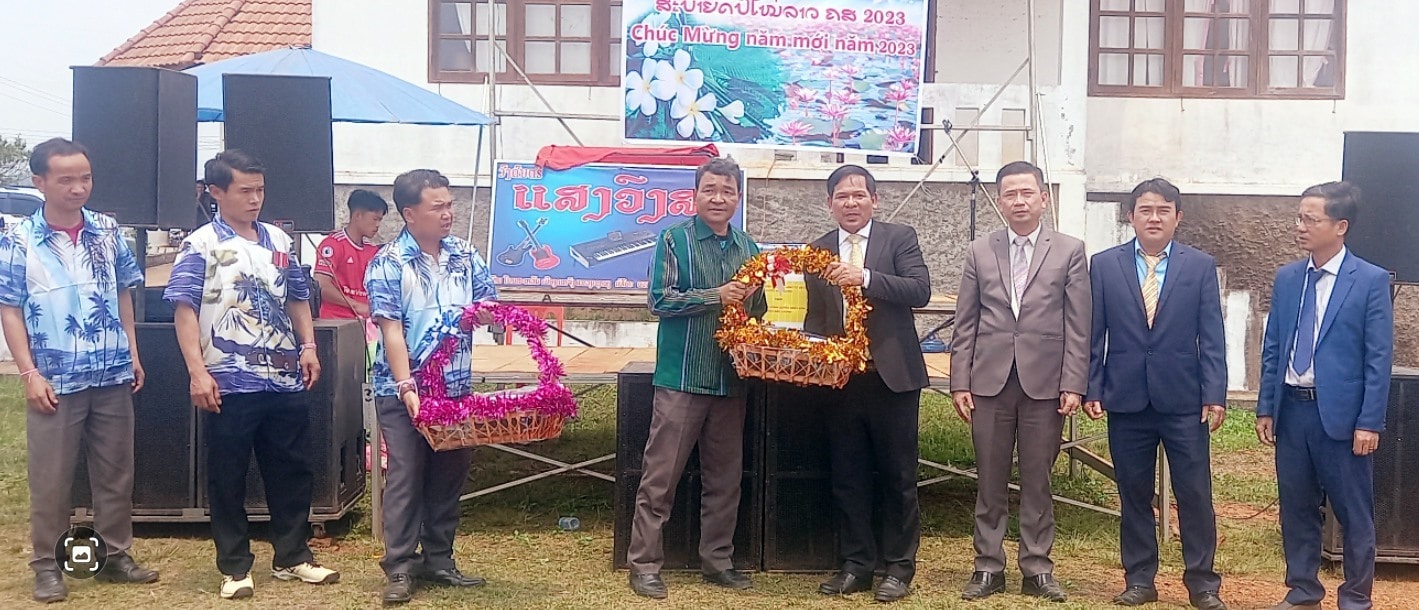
column 67, row 312
column 245, row 329
column 418, row 285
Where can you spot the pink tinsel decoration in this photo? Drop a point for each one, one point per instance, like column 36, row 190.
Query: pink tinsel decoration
column 550, row 397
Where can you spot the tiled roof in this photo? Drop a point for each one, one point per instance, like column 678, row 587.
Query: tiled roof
column 205, row 31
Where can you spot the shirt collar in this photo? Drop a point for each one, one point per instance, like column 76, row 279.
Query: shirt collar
column 703, row 230
column 1331, row 266
column 865, row 232
column 1138, row 248
column 408, row 248
column 43, row 230
column 225, row 232
column 1034, row 236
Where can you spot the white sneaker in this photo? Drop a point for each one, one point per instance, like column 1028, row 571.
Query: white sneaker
column 237, row 588
column 308, row 572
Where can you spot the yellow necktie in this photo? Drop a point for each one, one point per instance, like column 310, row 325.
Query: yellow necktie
column 1150, row 285
column 854, row 252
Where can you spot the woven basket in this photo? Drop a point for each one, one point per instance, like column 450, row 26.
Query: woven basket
column 788, row 365
column 515, row 427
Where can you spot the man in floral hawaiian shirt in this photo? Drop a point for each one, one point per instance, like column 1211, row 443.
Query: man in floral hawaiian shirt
column 244, row 326
column 67, row 311
column 418, row 285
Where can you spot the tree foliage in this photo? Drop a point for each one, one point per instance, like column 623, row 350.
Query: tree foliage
column 14, row 161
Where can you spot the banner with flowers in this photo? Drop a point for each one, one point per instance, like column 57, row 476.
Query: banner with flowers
column 808, row 74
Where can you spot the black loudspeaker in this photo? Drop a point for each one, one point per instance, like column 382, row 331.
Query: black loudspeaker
column 170, row 479
column 1386, row 168
column 634, row 397
column 285, row 122
column 799, row 532
column 1396, row 478
column 337, row 435
column 165, row 429
column 140, row 127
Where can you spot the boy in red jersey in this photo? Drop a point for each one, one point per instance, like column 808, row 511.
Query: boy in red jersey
column 343, row 256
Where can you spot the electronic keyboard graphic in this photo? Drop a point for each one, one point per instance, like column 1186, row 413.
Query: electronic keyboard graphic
column 615, row 244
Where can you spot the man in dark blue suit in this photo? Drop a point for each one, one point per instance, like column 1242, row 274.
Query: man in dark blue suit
column 1157, row 364
column 1325, row 371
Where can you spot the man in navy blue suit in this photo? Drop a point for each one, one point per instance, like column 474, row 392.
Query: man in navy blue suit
column 1157, row 365
column 1325, row 370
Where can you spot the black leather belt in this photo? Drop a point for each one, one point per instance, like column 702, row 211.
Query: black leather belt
column 1301, row 394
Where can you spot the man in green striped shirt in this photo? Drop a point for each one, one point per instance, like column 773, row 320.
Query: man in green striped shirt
column 698, row 397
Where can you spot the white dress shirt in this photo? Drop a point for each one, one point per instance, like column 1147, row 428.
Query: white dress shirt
column 845, row 249
column 1324, row 284
column 1034, row 238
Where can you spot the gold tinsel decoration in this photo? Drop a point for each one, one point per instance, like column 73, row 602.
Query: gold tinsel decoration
column 737, row 328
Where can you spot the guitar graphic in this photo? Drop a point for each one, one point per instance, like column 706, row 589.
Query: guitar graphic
column 542, row 256
column 515, row 254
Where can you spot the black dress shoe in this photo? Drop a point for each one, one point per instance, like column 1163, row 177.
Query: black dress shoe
column 648, row 585
column 121, row 568
column 844, row 583
column 1207, row 600
column 399, row 589
column 983, row 585
column 891, row 589
column 49, row 587
column 1136, row 595
column 729, row 579
column 1042, row 586
column 451, row 578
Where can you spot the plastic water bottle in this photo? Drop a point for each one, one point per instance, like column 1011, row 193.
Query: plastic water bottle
column 569, row 524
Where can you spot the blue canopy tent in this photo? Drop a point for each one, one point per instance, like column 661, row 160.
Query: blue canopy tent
column 358, row 93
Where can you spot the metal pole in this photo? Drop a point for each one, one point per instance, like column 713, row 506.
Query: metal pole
column 376, row 464
column 492, row 85
column 477, row 171
column 1034, row 108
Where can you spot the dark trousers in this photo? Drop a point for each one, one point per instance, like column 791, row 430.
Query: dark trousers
column 1311, row 467
column 679, row 421
column 275, row 425
column 872, row 437
column 1133, row 443
column 421, row 494
column 98, row 422
column 999, row 423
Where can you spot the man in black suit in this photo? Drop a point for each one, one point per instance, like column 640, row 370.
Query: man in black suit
column 1157, row 365
column 872, row 422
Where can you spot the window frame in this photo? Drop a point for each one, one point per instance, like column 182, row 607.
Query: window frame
column 604, row 72
column 1258, row 53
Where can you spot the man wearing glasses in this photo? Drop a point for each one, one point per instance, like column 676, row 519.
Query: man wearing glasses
column 1325, row 372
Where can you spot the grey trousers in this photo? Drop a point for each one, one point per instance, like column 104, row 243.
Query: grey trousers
column 99, row 422
column 1000, row 422
column 421, row 494
column 678, row 421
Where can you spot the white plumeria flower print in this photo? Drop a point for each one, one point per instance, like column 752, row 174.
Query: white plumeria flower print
column 674, row 78
column 653, row 21
column 638, row 85
column 694, row 115
column 732, row 111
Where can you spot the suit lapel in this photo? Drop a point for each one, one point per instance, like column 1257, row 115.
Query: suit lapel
column 1129, row 268
column 1038, row 258
column 1002, row 259
column 1343, row 281
column 876, row 245
column 1289, row 301
column 1175, row 267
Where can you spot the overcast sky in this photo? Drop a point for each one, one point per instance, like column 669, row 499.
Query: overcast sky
column 42, row 39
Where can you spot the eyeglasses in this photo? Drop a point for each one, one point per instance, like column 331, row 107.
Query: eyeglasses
column 1309, row 221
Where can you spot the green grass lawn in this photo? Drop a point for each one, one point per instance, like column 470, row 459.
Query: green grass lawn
column 512, row 537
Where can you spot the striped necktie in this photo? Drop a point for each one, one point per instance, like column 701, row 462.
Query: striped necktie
column 1150, row 285
column 1019, row 268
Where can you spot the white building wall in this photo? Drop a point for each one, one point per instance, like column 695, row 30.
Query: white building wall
column 1263, row 147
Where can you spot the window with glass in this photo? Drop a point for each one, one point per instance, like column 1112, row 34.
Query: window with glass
column 1218, row 48
column 555, row 42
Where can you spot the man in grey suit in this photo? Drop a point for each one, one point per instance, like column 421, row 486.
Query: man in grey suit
column 1019, row 364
